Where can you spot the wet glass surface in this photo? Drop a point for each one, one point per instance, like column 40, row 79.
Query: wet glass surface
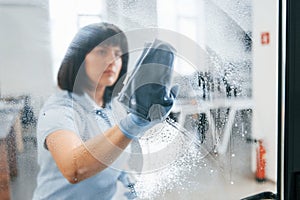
column 207, row 147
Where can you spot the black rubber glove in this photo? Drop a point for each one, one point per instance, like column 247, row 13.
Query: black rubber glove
column 147, row 93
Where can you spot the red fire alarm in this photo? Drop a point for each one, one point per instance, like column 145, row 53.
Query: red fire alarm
column 265, row 38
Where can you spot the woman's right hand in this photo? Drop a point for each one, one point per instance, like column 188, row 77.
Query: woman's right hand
column 147, row 94
column 133, row 126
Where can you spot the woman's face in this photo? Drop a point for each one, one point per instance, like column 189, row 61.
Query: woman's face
column 103, row 65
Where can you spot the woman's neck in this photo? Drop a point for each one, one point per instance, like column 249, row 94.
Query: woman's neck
column 97, row 95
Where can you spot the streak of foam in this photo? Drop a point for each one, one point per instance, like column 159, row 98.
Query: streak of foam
column 189, row 164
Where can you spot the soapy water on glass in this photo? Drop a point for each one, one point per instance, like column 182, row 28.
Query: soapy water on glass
column 186, row 161
column 182, row 156
column 173, row 155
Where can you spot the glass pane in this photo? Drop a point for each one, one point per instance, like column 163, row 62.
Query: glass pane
column 84, row 20
column 90, row 6
column 217, row 141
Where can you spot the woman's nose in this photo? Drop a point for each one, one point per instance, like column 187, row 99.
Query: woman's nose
column 111, row 57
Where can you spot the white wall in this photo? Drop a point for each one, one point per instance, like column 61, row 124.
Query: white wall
column 265, row 83
column 25, row 58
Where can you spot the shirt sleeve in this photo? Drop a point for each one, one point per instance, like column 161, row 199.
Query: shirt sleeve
column 54, row 119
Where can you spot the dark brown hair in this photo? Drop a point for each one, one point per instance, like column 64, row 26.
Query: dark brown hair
column 72, row 76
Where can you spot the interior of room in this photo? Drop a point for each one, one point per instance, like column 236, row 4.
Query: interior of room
column 222, row 134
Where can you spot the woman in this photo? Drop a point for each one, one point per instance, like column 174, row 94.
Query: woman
column 78, row 139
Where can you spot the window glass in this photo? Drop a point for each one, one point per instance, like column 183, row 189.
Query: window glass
column 220, row 139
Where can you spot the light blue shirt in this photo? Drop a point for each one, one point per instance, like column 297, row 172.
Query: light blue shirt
column 80, row 114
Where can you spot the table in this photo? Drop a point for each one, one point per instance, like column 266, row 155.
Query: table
column 194, row 107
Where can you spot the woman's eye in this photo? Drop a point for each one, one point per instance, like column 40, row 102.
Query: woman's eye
column 118, row 54
column 103, row 51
